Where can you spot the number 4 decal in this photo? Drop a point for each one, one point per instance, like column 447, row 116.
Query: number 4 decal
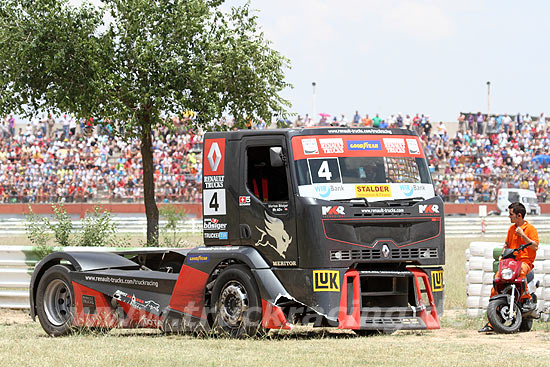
column 324, row 171
column 214, row 202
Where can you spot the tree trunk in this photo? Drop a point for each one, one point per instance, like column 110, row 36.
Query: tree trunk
column 151, row 210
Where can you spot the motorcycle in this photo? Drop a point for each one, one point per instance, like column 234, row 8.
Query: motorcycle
column 506, row 313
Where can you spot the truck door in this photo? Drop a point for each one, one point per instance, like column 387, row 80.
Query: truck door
column 266, row 201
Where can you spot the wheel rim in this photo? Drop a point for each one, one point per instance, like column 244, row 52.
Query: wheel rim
column 233, row 304
column 503, row 312
column 57, row 302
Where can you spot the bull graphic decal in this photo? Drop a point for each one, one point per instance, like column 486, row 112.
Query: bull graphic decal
column 274, row 228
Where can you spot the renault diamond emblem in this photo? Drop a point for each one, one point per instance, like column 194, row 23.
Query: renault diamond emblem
column 385, row 250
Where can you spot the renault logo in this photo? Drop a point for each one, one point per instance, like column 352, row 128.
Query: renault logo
column 385, row 250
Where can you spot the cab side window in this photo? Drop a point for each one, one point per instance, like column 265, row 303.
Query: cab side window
column 265, row 182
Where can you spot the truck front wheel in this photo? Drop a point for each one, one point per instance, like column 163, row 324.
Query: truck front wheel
column 237, row 303
column 55, row 301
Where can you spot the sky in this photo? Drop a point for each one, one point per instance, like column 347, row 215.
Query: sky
column 417, row 56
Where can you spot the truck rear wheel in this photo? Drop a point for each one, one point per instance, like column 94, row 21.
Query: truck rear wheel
column 55, row 301
column 237, row 303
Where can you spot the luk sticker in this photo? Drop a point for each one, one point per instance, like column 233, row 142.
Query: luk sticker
column 274, row 229
column 412, row 144
column 214, row 157
column 326, row 281
column 372, row 191
column 213, row 202
column 437, row 281
column 394, row 145
column 332, row 145
column 310, row 146
column 213, row 224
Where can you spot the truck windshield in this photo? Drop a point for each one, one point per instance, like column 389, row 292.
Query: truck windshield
column 350, row 166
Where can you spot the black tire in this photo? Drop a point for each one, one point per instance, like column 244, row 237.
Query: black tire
column 55, row 301
column 236, row 303
column 526, row 325
column 496, row 311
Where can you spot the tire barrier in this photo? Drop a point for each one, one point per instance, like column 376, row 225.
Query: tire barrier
column 17, row 265
column 481, row 265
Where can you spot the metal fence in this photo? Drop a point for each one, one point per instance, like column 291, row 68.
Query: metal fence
column 17, row 262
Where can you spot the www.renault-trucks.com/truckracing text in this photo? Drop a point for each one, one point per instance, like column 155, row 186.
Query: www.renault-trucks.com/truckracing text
column 329, row 227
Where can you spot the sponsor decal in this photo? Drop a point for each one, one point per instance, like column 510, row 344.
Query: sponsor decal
column 333, row 210
column 136, row 302
column 359, row 131
column 214, row 150
column 198, row 258
column 326, row 281
column 244, row 200
column 382, row 210
column 213, row 224
column 437, row 281
column 120, row 280
column 332, row 145
column 412, row 144
column 407, row 189
column 324, row 191
column 394, row 145
column 364, row 145
column 216, row 235
column 213, row 182
column 310, row 146
column 275, row 229
column 428, row 209
column 372, row 191
column 88, row 304
column 284, row 263
column 278, row 208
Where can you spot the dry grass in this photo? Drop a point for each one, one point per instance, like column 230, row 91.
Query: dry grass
column 25, row 344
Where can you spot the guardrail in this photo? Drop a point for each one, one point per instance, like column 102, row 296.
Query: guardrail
column 17, row 265
column 16, row 226
column 17, row 262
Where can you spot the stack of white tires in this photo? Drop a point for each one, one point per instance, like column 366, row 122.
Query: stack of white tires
column 481, row 264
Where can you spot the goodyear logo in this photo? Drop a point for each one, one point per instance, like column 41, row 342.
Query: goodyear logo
column 364, row 145
column 326, row 281
column 437, row 281
column 372, row 191
column 198, row 258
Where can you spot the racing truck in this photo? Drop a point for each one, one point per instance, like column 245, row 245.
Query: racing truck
column 329, row 227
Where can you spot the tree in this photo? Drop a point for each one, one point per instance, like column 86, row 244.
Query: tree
column 135, row 62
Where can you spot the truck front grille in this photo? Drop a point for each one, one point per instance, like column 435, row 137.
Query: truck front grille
column 376, row 254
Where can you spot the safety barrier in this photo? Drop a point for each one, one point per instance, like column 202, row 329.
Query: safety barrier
column 16, row 268
column 16, row 226
column 481, row 265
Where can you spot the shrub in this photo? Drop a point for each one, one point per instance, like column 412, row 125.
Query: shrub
column 37, row 232
column 63, row 227
column 98, row 228
column 169, row 232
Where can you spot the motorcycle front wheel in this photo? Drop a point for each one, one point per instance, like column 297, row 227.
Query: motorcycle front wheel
column 498, row 313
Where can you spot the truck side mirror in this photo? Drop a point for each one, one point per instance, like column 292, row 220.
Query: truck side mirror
column 276, row 157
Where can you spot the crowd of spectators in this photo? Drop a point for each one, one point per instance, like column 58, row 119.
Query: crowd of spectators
column 489, row 153
column 81, row 161
column 49, row 161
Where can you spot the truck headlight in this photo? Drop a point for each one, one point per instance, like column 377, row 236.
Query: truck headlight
column 507, row 274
